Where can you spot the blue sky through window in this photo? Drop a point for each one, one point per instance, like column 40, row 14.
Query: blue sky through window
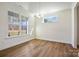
column 50, row 19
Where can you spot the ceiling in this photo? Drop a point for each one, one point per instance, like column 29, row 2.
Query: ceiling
column 45, row 7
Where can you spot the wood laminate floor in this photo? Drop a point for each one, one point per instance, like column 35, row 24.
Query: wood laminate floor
column 40, row 48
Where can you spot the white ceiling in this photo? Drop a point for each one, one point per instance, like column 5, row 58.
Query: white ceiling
column 45, row 7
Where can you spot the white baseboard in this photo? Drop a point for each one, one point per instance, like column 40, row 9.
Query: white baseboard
column 53, row 40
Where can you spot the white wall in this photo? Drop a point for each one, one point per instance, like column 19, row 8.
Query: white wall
column 5, row 41
column 74, row 24
column 61, row 31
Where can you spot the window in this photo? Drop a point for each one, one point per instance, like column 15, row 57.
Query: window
column 24, row 23
column 50, row 19
column 13, row 19
column 16, row 26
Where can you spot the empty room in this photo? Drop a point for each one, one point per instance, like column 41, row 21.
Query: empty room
column 39, row 29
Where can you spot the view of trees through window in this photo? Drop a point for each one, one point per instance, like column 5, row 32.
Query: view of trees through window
column 50, row 19
column 16, row 26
